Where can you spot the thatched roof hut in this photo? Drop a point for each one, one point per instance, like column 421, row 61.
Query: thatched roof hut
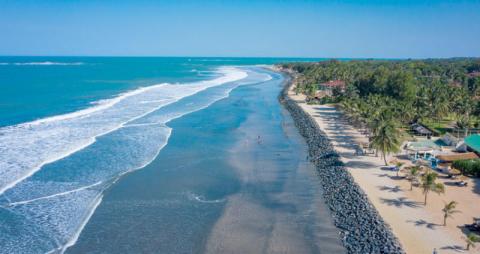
column 456, row 157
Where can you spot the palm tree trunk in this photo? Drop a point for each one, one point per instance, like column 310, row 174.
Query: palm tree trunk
column 385, row 158
column 444, row 220
column 425, row 202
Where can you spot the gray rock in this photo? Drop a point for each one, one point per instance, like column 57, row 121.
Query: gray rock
column 361, row 228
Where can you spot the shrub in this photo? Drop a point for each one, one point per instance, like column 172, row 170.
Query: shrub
column 328, row 100
column 468, row 167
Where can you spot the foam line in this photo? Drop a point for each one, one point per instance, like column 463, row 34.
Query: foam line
column 54, row 195
column 202, row 199
column 74, row 239
column 137, row 117
column 26, row 147
column 43, row 63
column 195, row 197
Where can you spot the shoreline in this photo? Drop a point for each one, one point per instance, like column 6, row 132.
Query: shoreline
column 278, row 207
column 417, row 228
column 362, row 229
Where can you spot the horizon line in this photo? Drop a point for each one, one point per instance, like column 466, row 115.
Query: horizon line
column 286, row 57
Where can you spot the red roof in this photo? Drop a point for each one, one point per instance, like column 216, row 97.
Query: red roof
column 334, row 83
column 456, row 84
column 474, row 74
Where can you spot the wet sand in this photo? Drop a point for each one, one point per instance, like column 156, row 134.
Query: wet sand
column 279, row 208
column 217, row 188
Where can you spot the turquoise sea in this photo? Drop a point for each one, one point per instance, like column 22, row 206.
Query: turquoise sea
column 154, row 155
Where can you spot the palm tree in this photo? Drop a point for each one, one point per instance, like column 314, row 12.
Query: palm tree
column 399, row 166
column 413, row 175
column 311, row 91
column 449, row 210
column 471, row 240
column 386, row 139
column 429, row 184
column 464, row 122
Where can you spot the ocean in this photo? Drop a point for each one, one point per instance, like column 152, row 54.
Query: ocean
column 154, row 155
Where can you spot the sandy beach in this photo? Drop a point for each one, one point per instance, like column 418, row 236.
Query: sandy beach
column 419, row 228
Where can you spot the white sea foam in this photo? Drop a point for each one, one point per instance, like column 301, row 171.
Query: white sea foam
column 74, row 239
column 127, row 134
column 42, row 63
column 25, row 148
column 202, row 199
column 55, row 195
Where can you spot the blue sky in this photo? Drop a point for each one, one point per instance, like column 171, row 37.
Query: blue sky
column 376, row 29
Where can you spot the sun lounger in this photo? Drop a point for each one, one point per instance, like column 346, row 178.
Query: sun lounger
column 461, row 183
column 393, row 168
column 474, row 227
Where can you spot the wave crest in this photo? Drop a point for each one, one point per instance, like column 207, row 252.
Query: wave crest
column 43, row 63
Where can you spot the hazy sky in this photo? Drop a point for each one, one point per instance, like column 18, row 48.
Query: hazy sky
column 378, row 29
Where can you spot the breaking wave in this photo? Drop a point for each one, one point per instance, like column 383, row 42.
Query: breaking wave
column 43, row 63
column 55, row 170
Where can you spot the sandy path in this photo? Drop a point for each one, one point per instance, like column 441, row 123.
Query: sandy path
column 414, row 225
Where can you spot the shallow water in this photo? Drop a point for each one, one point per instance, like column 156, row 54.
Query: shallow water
column 161, row 169
column 233, row 179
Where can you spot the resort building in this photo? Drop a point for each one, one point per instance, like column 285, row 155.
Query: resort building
column 473, row 143
column 327, row 88
column 421, row 130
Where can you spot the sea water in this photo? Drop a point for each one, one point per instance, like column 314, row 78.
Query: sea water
column 124, row 155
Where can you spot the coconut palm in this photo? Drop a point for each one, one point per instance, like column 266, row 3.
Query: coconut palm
column 471, row 240
column 399, row 166
column 311, row 90
column 386, row 139
column 421, row 104
column 413, row 175
column 464, row 122
column 449, row 210
column 429, row 184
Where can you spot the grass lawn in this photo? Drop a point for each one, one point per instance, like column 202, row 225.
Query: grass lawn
column 440, row 126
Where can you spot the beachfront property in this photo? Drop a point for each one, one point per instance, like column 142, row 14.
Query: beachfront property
column 427, row 155
column 327, row 89
column 419, row 227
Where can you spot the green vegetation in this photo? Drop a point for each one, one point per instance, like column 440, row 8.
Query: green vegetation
column 442, row 94
column 471, row 240
column 429, row 184
column 439, row 127
column 412, row 176
column 386, row 138
column 399, row 166
column 468, row 167
column 448, row 211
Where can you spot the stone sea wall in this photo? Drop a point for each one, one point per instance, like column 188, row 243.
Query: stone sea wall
column 361, row 227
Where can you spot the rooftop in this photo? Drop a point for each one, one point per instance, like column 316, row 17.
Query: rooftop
column 457, row 156
column 473, row 141
column 334, row 83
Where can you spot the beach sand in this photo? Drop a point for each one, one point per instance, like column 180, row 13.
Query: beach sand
column 279, row 208
column 419, row 229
